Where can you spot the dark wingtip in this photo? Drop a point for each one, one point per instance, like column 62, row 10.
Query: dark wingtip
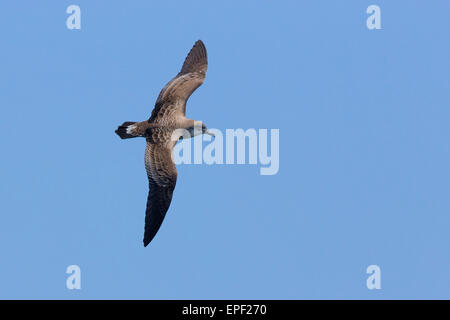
column 199, row 42
column 196, row 58
column 148, row 237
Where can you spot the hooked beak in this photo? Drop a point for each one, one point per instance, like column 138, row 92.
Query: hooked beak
column 210, row 133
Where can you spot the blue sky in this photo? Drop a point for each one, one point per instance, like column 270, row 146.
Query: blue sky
column 364, row 150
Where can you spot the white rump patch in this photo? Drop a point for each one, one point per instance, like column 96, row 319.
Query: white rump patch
column 131, row 128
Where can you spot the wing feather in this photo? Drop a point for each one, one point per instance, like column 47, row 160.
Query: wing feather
column 162, row 178
column 178, row 90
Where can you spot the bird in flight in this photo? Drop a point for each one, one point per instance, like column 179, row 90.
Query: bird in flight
column 162, row 131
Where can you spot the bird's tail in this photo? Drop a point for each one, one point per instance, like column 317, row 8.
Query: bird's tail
column 127, row 130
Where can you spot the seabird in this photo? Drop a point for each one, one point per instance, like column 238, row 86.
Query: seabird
column 161, row 134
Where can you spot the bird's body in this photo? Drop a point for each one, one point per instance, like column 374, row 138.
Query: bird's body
column 161, row 134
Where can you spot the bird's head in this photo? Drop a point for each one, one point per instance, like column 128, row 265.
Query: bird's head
column 206, row 131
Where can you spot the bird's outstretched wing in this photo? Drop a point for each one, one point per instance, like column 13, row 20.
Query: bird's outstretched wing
column 178, row 90
column 162, row 177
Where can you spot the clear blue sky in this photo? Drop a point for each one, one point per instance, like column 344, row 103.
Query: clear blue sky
column 364, row 150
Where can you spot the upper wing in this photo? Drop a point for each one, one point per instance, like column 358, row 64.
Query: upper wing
column 162, row 177
column 178, row 90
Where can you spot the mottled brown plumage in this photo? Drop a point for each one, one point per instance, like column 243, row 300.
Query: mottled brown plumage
column 160, row 131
